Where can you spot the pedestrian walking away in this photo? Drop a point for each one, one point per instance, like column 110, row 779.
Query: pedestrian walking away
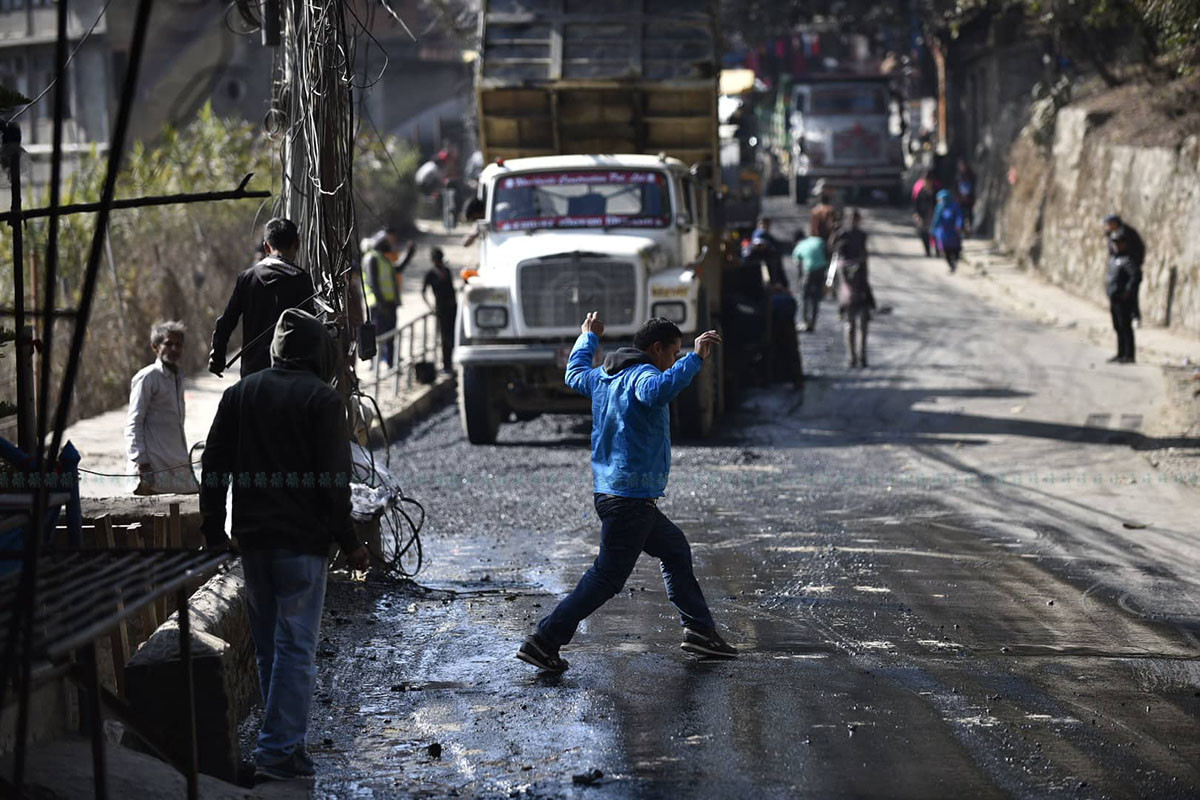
column 856, row 301
column 261, row 294
column 1134, row 247
column 1121, row 284
column 384, row 266
column 924, row 199
column 631, row 461
column 812, row 261
column 823, row 219
column 440, row 281
column 948, row 228
column 154, row 435
column 280, row 437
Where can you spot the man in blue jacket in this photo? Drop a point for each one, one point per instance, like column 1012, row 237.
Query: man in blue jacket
column 631, row 459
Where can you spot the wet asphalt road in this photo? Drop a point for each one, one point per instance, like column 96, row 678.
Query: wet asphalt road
column 951, row 574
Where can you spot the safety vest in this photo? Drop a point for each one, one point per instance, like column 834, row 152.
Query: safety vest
column 385, row 277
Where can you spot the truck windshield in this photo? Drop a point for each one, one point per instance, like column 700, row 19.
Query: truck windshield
column 848, row 100
column 581, row 199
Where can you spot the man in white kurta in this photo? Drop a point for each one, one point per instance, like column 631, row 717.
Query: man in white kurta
column 154, row 427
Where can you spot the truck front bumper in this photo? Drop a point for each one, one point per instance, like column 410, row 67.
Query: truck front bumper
column 483, row 355
column 853, row 176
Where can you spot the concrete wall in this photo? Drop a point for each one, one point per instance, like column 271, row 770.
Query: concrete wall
column 1052, row 216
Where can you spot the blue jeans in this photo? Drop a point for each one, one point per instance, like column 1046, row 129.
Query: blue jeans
column 285, row 593
column 630, row 527
column 383, row 315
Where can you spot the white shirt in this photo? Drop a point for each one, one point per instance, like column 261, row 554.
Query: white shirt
column 154, row 431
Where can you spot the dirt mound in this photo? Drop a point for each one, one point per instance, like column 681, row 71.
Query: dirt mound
column 1149, row 115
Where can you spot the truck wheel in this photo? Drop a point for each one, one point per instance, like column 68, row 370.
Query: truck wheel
column 697, row 406
column 800, row 189
column 480, row 411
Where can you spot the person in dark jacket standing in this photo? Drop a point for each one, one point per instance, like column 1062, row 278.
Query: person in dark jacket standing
column 260, row 295
column 924, row 199
column 631, row 460
column 856, row 301
column 445, row 304
column 280, row 438
column 1121, row 284
column 1134, row 246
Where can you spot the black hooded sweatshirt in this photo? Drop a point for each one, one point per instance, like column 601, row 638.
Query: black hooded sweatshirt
column 261, row 294
column 280, row 436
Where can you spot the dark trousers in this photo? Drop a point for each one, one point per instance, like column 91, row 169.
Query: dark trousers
column 446, row 317
column 814, row 289
column 923, row 234
column 1122, row 318
column 383, row 315
column 952, row 255
column 628, row 528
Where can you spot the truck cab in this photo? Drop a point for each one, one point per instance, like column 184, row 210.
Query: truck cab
column 561, row 236
column 842, row 133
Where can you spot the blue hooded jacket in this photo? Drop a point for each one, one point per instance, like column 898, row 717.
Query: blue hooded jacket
column 631, row 415
column 947, row 221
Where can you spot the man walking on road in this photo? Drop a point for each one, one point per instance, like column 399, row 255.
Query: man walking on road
column 812, row 260
column 261, row 294
column 631, row 459
column 280, row 437
column 1121, row 283
column 856, row 301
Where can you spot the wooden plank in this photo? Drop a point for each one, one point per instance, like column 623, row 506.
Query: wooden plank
column 174, row 527
column 159, row 542
column 118, row 639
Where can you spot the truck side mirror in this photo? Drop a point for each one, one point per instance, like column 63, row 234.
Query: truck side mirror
column 474, row 210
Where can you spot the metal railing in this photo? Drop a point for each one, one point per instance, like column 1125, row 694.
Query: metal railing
column 414, row 342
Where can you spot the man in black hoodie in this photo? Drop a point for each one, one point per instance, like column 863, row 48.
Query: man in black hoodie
column 260, row 295
column 280, row 438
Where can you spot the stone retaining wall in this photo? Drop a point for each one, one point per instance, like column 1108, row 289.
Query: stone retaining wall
column 1052, row 217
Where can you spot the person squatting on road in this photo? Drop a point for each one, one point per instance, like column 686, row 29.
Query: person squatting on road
column 768, row 251
column 260, row 295
column 948, row 228
column 1134, row 246
column 631, row 460
column 280, row 437
column 856, row 301
column 440, row 281
column 154, row 434
column 1121, row 284
column 812, row 261
column 384, row 267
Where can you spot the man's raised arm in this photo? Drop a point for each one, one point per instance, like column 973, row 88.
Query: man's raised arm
column 580, row 374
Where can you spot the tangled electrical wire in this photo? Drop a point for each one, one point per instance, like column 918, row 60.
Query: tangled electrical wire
column 312, row 117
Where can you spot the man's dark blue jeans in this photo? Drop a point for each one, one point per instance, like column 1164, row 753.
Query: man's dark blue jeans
column 629, row 527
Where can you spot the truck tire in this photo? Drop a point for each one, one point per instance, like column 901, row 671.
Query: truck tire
column 480, row 411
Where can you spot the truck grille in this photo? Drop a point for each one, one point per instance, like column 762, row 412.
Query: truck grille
column 559, row 292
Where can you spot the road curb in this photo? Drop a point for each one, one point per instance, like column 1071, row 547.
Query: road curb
column 414, row 408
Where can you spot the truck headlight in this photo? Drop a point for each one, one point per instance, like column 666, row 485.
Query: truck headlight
column 674, row 311
column 491, row 317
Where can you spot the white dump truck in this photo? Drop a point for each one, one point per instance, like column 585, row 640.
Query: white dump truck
column 598, row 123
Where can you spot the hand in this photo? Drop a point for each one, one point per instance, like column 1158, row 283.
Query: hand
column 592, row 324
column 216, row 365
column 359, row 559
column 412, row 246
column 705, row 343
